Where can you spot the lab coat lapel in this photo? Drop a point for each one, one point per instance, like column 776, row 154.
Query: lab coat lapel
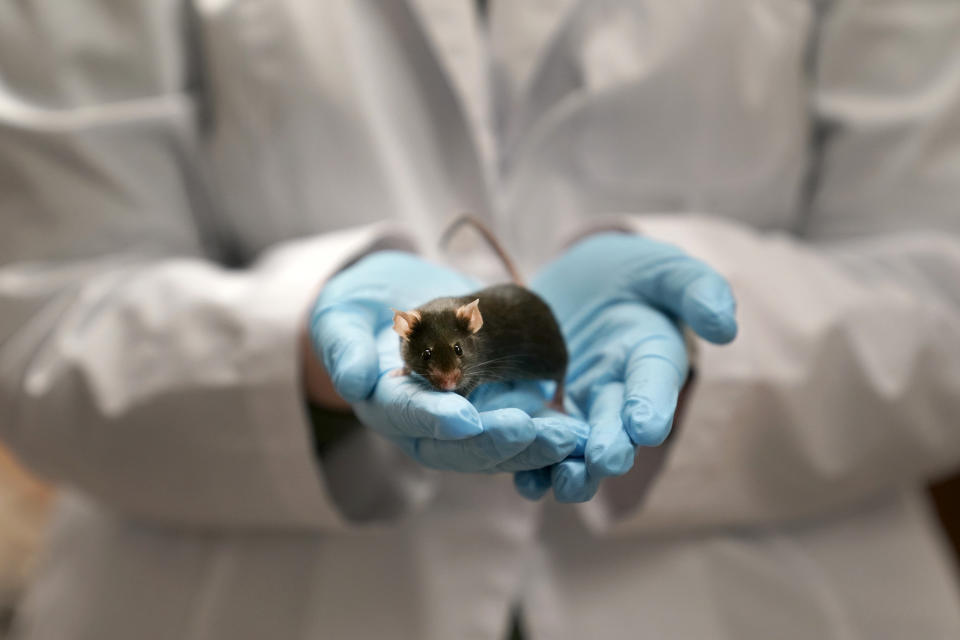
column 524, row 38
column 524, row 33
column 529, row 40
column 451, row 37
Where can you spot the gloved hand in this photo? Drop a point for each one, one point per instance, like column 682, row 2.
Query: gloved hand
column 350, row 328
column 617, row 298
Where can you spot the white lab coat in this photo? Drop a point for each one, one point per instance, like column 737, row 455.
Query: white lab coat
column 176, row 179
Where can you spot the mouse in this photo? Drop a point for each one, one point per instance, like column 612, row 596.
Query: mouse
column 504, row 332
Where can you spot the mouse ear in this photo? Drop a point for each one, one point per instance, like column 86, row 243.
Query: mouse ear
column 404, row 322
column 469, row 314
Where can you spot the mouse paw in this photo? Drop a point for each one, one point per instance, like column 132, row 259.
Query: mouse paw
column 397, row 373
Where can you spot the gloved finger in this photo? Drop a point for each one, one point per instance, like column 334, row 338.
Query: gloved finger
column 401, row 406
column 532, row 484
column 600, row 348
column 343, row 336
column 609, row 450
column 572, row 482
column 506, row 432
column 656, row 369
column 526, row 395
column 605, row 325
column 582, row 429
column 594, row 370
column 557, row 437
column 572, row 419
column 693, row 292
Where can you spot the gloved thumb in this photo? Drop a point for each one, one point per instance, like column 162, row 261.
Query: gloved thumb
column 343, row 335
column 708, row 307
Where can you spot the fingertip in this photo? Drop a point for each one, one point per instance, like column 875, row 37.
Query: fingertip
column 609, row 450
column 468, row 414
column 561, row 434
column 646, row 424
column 532, row 484
column 416, row 411
column 564, row 481
column 713, row 326
column 456, row 418
column 609, row 458
column 459, row 427
column 509, row 430
column 709, row 308
column 572, row 482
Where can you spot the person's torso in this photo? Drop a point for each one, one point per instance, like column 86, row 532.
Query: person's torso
column 323, row 115
column 330, row 114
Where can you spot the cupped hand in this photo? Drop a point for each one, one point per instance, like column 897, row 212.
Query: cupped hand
column 492, row 432
column 350, row 330
column 619, row 300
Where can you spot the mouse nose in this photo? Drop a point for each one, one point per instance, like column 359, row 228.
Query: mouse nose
column 445, row 380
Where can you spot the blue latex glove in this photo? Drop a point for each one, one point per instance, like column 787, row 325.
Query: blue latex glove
column 350, row 327
column 617, row 298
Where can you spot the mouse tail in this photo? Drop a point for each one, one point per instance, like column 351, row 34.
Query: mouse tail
column 556, row 403
column 491, row 240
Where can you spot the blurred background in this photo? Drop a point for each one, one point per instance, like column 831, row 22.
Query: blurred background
column 24, row 508
column 946, row 498
column 25, row 504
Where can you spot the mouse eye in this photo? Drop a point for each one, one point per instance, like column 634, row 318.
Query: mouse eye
column 457, row 349
column 426, row 354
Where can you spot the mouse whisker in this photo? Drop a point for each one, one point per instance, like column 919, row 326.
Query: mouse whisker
column 495, row 371
column 502, row 359
column 499, row 372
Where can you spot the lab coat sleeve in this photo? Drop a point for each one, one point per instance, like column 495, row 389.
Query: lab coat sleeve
column 132, row 366
column 844, row 380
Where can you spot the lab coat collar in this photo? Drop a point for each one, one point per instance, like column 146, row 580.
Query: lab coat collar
column 523, row 34
column 428, row 55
